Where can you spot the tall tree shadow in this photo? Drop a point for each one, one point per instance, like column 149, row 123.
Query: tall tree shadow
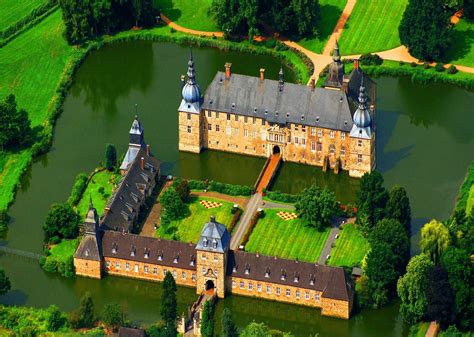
column 167, row 6
column 463, row 41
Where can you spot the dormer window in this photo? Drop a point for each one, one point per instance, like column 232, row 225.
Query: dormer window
column 176, row 259
column 204, row 242
column 133, row 251
column 160, row 257
column 114, row 248
column 86, row 253
column 191, row 263
column 147, row 254
column 247, row 269
column 234, row 269
column 297, row 279
column 283, row 275
column 214, row 244
column 267, row 273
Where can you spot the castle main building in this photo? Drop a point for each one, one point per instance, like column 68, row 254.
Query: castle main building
column 332, row 127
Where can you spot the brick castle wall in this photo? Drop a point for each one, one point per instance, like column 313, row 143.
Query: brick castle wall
column 88, row 268
column 189, row 132
column 211, row 266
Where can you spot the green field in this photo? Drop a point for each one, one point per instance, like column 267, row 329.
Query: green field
column 189, row 228
column 331, row 10
column 462, row 52
column 350, row 248
column 14, row 10
column 63, row 250
column 104, row 179
column 372, row 26
column 191, row 14
column 292, row 239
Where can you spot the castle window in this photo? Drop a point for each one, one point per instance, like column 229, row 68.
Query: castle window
column 320, row 147
column 254, row 134
column 136, row 268
column 203, row 256
column 359, row 158
column 296, row 140
column 246, row 133
column 269, row 289
column 247, row 269
column 189, row 115
column 217, row 128
column 234, row 269
column 303, row 141
column 297, row 294
column 316, row 297
column 296, row 279
column 311, row 282
column 114, row 248
column 236, row 118
column 216, row 273
column 259, row 288
column 203, row 271
column 236, row 131
column 183, row 275
column 343, row 135
column 192, row 263
column 263, row 121
column 205, row 243
column 155, row 270
column 147, row 254
column 228, row 117
column 283, row 277
column 296, row 127
column 313, row 131
column 250, row 286
column 193, row 277
column 175, row 260
column 313, row 146
column 145, row 269
column 175, row 274
column 107, row 264
column 343, row 151
column 288, row 292
column 246, row 119
column 216, row 259
column 306, row 295
column 86, row 253
column 209, row 113
column 117, row 265
column 320, row 133
column 189, row 129
column 132, row 252
column 303, row 128
column 359, row 143
column 278, row 291
column 242, row 285
column 217, row 114
column 127, row 266
column 228, row 130
column 209, row 127
column 331, row 134
column 267, row 273
column 332, row 149
column 234, row 284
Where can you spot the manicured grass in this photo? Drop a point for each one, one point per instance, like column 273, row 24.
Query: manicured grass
column 104, row 179
column 350, row 248
column 292, row 239
column 462, row 52
column 470, row 201
column 372, row 26
column 14, row 10
column 189, row 228
column 331, row 10
column 63, row 250
column 12, row 166
column 189, row 13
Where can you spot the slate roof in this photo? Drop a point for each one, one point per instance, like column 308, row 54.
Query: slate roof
column 161, row 252
column 128, row 196
column 89, row 248
column 331, row 281
column 214, row 237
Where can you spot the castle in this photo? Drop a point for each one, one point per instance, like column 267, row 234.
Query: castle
column 331, row 127
column 109, row 248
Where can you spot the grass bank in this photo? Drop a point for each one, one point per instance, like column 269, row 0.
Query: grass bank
column 292, row 239
column 350, row 248
column 462, row 52
column 14, row 10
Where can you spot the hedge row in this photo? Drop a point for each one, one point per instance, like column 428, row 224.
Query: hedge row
column 465, row 189
column 214, row 186
column 65, row 268
column 282, row 197
column 235, row 219
column 35, row 16
column 78, row 189
column 252, row 224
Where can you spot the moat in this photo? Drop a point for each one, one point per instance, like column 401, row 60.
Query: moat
column 423, row 133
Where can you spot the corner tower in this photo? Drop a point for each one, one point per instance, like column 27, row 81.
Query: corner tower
column 335, row 77
column 212, row 250
column 189, row 111
column 362, row 136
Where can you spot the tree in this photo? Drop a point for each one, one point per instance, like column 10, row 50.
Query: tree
column 183, row 190
column 440, row 297
column 62, row 221
column 469, row 9
column 113, row 315
column 86, row 311
column 5, row 284
column 371, row 199
column 228, row 326
column 168, row 300
column 316, row 206
column 412, row 287
column 55, row 319
column 207, row 319
column 460, row 271
column 110, row 157
column 391, row 232
column 235, row 16
column 15, row 127
column 435, row 240
column 297, row 17
column 425, row 29
column 255, row 330
column 398, row 207
column 172, row 204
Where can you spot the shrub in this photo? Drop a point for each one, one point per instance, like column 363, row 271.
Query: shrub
column 235, row 219
column 197, row 185
column 78, row 189
column 101, row 190
column 452, row 69
column 50, row 265
column 172, row 30
column 270, row 43
column 282, row 197
column 230, row 189
column 413, row 64
column 402, row 63
column 426, row 65
column 370, row 60
column 252, row 224
column 439, row 67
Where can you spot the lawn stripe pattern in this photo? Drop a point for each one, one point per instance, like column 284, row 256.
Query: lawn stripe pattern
column 350, row 247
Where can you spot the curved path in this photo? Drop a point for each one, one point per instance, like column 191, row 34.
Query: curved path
column 188, row 30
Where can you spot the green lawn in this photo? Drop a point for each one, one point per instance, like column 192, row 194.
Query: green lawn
column 189, row 228
column 188, row 13
column 350, row 248
column 104, row 179
column 372, row 26
column 64, row 250
column 292, row 239
column 470, row 201
column 419, row 330
column 14, row 10
column 462, row 52
column 331, row 10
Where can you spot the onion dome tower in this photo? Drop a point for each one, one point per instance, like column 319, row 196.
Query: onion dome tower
column 191, row 92
column 336, row 70
column 362, row 119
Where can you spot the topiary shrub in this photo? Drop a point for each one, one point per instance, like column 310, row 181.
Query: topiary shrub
column 370, row 60
column 401, row 63
column 413, row 64
column 452, row 69
column 426, row 65
column 439, row 67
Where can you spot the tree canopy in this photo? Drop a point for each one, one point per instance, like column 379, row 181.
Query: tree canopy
column 168, row 309
column 435, row 240
column 425, row 29
column 440, row 295
column 62, row 221
column 317, row 206
column 112, row 315
column 207, row 319
column 5, row 284
column 398, row 207
column 228, row 326
column 15, row 129
column 110, row 157
column 173, row 206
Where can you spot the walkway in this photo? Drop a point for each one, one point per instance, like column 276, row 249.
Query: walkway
column 241, row 228
column 337, row 222
column 433, row 329
column 337, row 32
column 273, row 204
column 187, row 30
column 18, row 252
column 269, row 173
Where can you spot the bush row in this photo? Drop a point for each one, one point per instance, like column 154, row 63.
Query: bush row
column 282, row 197
column 78, row 189
column 252, row 224
column 35, row 16
column 235, row 219
column 229, row 189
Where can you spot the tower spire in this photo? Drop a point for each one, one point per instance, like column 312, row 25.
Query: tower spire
column 91, row 205
column 336, row 56
column 191, row 72
column 281, row 78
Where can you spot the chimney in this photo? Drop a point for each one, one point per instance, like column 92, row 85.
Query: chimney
column 262, row 74
column 227, row 66
column 356, row 64
column 147, row 149
column 345, row 85
column 312, row 84
column 142, row 163
column 107, row 209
